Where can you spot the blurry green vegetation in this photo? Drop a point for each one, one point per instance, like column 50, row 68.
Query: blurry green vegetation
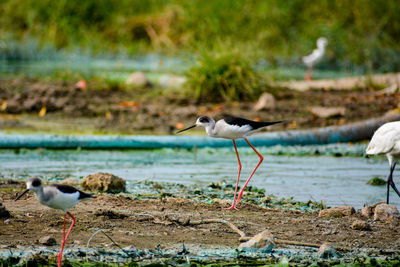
column 376, row 181
column 362, row 33
column 225, row 74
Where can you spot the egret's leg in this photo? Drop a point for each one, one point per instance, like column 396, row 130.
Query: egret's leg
column 237, row 182
column 390, row 181
column 59, row 256
column 251, row 175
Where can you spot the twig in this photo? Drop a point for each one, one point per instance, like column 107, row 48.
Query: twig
column 141, row 181
column 115, row 243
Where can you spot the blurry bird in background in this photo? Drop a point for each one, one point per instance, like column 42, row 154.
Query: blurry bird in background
column 314, row 58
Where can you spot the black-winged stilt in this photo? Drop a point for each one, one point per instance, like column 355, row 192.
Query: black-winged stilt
column 386, row 141
column 62, row 197
column 233, row 128
column 315, row 57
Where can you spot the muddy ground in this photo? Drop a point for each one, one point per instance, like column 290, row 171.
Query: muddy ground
column 158, row 111
column 167, row 221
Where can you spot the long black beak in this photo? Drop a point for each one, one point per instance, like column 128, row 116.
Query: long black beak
column 188, row 128
column 23, row 193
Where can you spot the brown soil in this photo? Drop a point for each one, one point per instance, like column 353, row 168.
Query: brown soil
column 149, row 110
column 166, row 222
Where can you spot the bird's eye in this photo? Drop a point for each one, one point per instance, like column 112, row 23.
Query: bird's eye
column 36, row 182
column 204, row 119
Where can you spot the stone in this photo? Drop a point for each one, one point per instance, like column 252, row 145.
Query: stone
column 326, row 251
column 222, row 202
column 327, row 112
column 367, row 212
column 4, row 213
column 337, row 212
column 263, row 241
column 265, row 102
column 172, row 81
column 138, row 79
column 47, row 241
column 105, row 182
column 360, row 225
column 386, row 212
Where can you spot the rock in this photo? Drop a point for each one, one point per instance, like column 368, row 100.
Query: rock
column 138, row 79
column 69, row 181
column 222, row 202
column 367, row 212
column 326, row 251
column 337, row 212
column 266, row 101
column 7, row 222
column 105, row 182
column 47, row 241
column 262, row 241
column 172, row 81
column 327, row 112
column 4, row 213
column 360, row 225
column 386, row 212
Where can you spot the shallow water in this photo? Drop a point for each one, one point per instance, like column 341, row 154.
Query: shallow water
column 336, row 180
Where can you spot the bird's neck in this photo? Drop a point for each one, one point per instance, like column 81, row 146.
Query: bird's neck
column 210, row 130
column 39, row 193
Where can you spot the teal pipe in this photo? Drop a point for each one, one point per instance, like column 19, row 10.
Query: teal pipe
column 334, row 134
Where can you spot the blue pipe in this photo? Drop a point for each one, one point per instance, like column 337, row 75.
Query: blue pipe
column 334, row 134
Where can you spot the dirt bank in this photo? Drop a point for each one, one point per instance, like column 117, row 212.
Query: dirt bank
column 166, row 222
column 38, row 105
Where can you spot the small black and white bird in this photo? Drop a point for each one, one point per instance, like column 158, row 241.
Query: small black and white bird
column 386, row 141
column 233, row 128
column 62, row 197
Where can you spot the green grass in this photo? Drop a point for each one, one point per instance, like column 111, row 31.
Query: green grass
column 362, row 34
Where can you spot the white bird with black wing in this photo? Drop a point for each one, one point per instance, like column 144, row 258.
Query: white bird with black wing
column 62, row 197
column 233, row 128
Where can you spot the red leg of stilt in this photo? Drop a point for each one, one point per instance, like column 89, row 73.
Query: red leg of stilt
column 251, row 175
column 65, row 237
column 59, row 256
column 237, row 182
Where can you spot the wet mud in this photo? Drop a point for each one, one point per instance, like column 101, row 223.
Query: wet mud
column 161, row 228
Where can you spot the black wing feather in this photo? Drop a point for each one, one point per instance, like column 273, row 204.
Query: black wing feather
column 253, row 124
column 70, row 190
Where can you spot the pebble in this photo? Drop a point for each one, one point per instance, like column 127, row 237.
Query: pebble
column 367, row 212
column 360, row 225
column 47, row 241
column 262, row 241
column 4, row 213
column 326, row 251
column 266, row 102
column 386, row 212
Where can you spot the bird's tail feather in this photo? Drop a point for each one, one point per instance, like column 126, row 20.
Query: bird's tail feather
column 268, row 123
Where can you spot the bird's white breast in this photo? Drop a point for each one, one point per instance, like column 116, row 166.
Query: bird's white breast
column 55, row 199
column 228, row 131
column 385, row 140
